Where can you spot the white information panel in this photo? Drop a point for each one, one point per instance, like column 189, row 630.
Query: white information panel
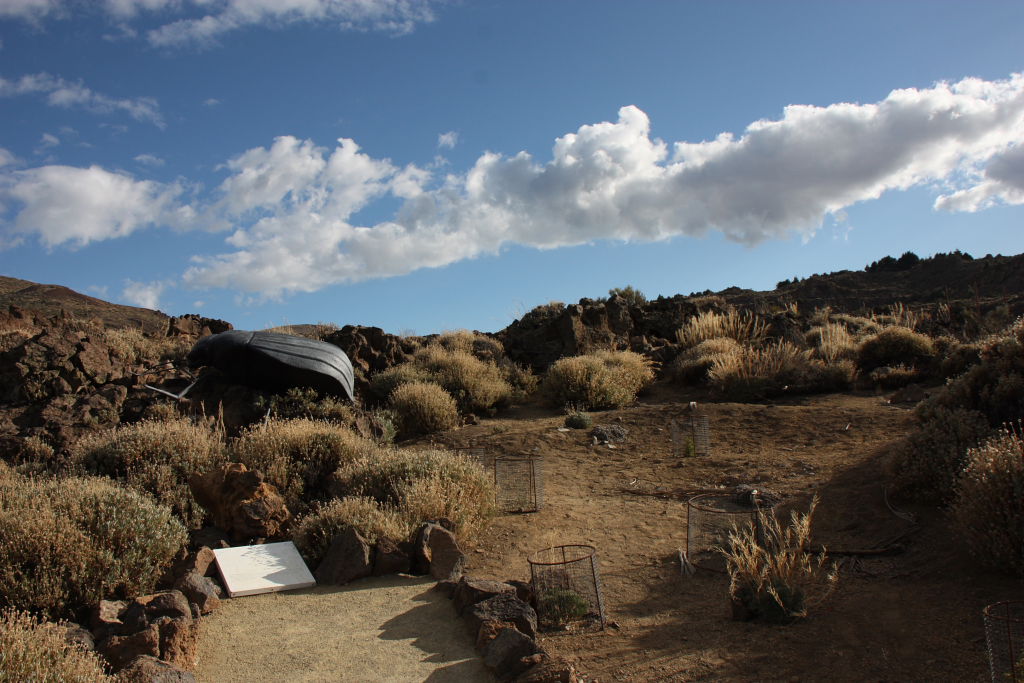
column 252, row 569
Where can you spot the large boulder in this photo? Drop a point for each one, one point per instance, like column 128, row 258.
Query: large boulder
column 119, row 650
column 201, row 590
column 469, row 592
column 505, row 654
column 503, row 607
column 347, row 558
column 241, row 502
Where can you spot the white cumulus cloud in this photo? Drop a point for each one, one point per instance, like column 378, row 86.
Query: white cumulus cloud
column 62, row 93
column 66, row 205
column 447, row 140
column 612, row 180
column 144, row 294
column 149, row 160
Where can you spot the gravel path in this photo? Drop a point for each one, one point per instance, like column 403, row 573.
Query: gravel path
column 390, row 628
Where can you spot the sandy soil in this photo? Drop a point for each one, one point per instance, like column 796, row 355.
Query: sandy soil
column 382, row 629
column 914, row 615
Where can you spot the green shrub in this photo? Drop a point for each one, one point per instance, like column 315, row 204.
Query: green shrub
column 772, row 576
column 746, row 328
column 926, row 464
column 988, row 511
column 68, row 543
column 605, row 379
column 37, row 651
column 633, row 296
column 422, row 485
column 374, row 521
column 895, row 346
column 298, row 456
column 156, row 457
column 423, row 408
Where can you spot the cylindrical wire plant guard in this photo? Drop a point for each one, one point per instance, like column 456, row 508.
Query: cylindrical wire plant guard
column 1004, row 633
column 691, row 435
column 709, row 519
column 519, row 482
column 567, row 587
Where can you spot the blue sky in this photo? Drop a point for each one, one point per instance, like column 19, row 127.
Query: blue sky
column 424, row 166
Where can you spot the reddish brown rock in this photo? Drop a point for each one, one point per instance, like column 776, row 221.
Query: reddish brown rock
column 178, row 641
column 241, row 502
column 469, row 592
column 348, row 558
column 547, row 669
column 146, row 669
column 201, row 590
column 506, row 652
column 388, row 558
column 121, row 649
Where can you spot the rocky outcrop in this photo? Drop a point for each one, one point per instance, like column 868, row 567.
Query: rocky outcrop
column 241, row 502
column 158, row 626
column 192, row 325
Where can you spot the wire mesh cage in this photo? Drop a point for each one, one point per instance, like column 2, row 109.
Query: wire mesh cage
column 1004, row 633
column 519, row 482
column 690, row 434
column 567, row 587
column 709, row 519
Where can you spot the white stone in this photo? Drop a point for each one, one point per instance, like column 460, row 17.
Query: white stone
column 252, row 569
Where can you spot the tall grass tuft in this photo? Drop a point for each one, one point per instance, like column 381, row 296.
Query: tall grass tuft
column 749, row 373
column 772, row 575
column 746, row 328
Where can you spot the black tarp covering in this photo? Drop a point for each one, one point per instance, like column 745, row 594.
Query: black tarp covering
column 274, row 361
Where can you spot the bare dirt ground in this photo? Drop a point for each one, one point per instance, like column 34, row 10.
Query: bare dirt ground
column 389, row 629
column 912, row 616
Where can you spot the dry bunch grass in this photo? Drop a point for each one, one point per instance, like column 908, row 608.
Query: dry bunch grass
column 749, row 372
column 298, row 456
column 133, row 346
column 423, row 408
column 605, row 379
column 477, row 386
column 156, row 457
column 988, row 511
column 692, row 365
column 37, row 651
column 771, row 573
column 831, row 342
column 745, row 327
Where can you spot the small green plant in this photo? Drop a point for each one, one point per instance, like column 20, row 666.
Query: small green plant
column 576, row 418
column 689, row 448
column 772, row 575
column 559, row 607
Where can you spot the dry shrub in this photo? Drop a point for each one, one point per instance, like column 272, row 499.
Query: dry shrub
column 772, row 575
column 956, row 357
column 37, row 651
column 751, row 373
column 423, row 408
column 479, row 345
column 692, row 365
column 895, row 377
column 745, row 327
column 383, row 383
column 476, row 385
column 595, row 381
column 857, row 325
column 298, row 456
column 895, row 346
column 926, row 464
column 65, row 544
column 521, row 378
column 988, row 511
column 156, row 457
column 374, row 521
column 134, row 346
column 831, row 342
column 422, row 485
column 299, row 402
